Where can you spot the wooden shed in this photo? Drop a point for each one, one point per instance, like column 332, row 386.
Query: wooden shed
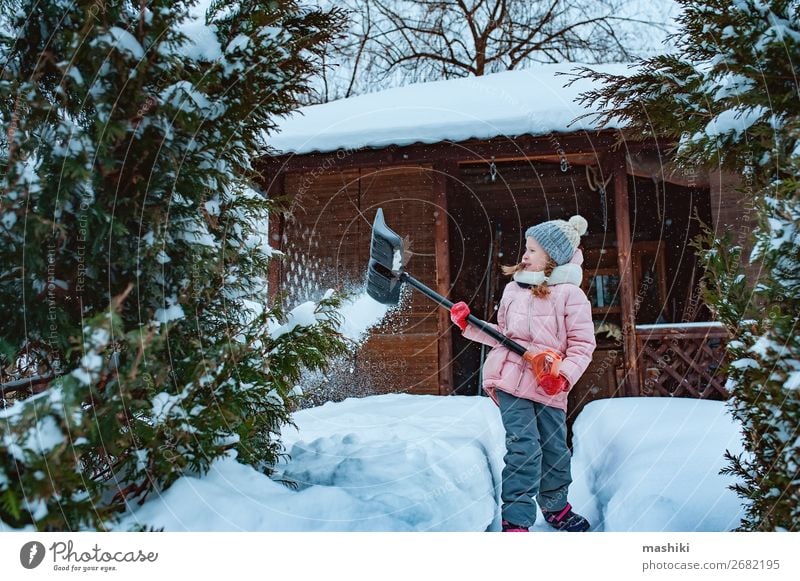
column 461, row 168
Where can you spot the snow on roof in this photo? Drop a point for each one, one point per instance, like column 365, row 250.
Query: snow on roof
column 531, row 101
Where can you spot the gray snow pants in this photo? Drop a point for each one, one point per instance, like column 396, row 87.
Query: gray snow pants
column 537, row 460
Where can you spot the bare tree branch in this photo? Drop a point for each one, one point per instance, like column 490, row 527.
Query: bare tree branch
column 398, row 41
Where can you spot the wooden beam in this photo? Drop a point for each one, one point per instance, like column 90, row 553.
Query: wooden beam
column 651, row 164
column 276, row 227
column 592, row 144
column 441, row 180
column 624, row 261
column 27, row 383
column 580, row 147
column 572, row 159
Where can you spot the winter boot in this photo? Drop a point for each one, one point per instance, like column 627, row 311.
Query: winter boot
column 510, row 527
column 566, row 520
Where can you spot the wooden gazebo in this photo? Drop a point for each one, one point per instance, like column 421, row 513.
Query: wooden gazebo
column 463, row 203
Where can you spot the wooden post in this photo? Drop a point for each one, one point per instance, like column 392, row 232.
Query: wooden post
column 441, row 173
column 276, row 229
column 624, row 261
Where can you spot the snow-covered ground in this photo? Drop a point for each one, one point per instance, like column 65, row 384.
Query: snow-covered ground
column 652, row 464
column 402, row 462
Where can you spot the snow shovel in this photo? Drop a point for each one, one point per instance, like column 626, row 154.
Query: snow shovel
column 386, row 274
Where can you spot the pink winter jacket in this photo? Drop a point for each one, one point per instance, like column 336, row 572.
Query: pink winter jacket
column 562, row 322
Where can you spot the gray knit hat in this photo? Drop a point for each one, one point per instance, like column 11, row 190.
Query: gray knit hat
column 559, row 238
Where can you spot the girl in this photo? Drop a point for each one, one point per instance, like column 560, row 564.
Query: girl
column 543, row 308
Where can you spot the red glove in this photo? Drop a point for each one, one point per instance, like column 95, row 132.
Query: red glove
column 553, row 384
column 459, row 313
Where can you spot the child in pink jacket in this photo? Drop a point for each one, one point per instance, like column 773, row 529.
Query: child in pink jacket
column 542, row 308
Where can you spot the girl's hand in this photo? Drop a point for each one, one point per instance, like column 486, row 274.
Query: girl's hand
column 554, row 384
column 459, row 313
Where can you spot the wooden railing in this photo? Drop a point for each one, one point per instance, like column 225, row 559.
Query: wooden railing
column 30, row 373
column 22, row 388
column 682, row 360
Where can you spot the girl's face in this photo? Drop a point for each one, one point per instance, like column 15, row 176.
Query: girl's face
column 535, row 258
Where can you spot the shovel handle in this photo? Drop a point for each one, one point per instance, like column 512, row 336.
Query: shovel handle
column 531, row 358
column 482, row 325
column 384, row 249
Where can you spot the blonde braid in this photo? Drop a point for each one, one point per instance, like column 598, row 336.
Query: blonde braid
column 542, row 290
column 512, row 270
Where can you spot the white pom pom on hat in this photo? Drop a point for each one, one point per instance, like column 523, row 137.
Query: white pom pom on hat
column 579, row 223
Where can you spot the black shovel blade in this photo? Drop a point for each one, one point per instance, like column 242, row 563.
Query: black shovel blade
column 386, row 247
column 382, row 285
column 385, row 263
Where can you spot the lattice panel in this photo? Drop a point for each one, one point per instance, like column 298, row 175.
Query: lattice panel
column 678, row 366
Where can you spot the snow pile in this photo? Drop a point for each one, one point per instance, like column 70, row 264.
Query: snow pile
column 423, row 462
column 531, row 101
column 430, row 463
column 382, row 463
column 652, row 464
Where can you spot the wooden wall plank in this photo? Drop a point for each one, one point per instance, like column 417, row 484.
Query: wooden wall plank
column 624, row 260
column 442, row 174
column 327, row 236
